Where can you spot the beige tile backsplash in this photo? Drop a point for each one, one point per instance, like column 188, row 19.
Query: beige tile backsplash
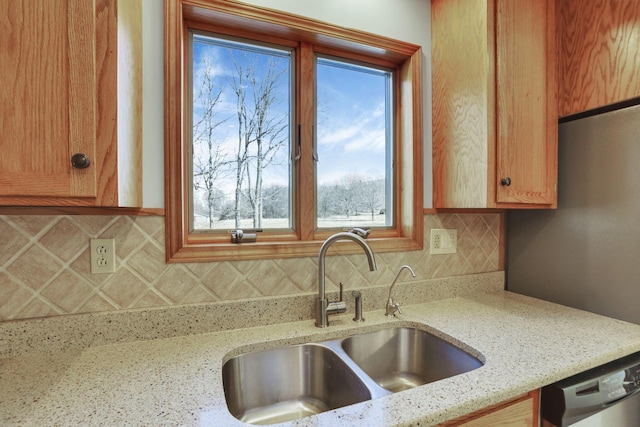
column 44, row 265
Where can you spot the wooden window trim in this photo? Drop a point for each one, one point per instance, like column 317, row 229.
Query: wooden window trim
column 274, row 26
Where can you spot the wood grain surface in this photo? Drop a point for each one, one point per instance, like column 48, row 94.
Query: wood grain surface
column 45, row 116
column 494, row 103
column 519, row 412
column 527, row 127
column 463, row 102
column 599, row 46
column 71, row 73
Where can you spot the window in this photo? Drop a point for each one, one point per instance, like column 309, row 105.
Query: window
column 354, row 161
column 288, row 127
column 240, row 131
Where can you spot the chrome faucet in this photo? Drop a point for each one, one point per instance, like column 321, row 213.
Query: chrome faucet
column 391, row 306
column 325, row 307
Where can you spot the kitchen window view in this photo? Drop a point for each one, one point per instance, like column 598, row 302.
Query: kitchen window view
column 241, row 135
column 354, row 183
column 245, row 144
column 288, row 135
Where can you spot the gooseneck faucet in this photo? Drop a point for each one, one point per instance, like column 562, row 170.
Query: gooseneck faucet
column 324, row 307
column 391, row 306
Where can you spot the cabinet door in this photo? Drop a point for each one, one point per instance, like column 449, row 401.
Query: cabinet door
column 47, row 97
column 494, row 104
column 462, row 35
column 599, row 62
column 526, row 102
column 520, row 412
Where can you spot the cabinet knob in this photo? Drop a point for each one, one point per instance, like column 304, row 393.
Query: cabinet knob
column 80, row 161
column 505, row 181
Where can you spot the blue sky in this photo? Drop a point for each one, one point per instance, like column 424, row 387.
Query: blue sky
column 350, row 116
column 350, row 119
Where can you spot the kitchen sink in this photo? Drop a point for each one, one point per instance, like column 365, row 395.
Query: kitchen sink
column 287, row 383
column 402, row 358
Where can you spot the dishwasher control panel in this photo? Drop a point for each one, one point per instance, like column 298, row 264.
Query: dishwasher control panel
column 573, row 399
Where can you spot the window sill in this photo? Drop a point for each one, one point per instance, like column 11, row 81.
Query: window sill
column 277, row 250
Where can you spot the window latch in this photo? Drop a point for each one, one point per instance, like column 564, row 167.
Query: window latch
column 360, row 231
column 298, row 144
column 314, row 144
column 241, row 236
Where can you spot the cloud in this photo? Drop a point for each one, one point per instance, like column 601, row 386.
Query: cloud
column 365, row 131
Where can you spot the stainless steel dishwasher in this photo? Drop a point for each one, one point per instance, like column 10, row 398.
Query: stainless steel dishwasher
column 607, row 396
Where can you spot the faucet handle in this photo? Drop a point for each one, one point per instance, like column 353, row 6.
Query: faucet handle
column 391, row 308
column 339, row 306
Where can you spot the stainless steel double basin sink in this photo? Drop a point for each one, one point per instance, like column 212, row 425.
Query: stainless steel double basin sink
column 287, row 383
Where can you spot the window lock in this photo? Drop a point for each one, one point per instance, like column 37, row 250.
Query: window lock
column 240, row 236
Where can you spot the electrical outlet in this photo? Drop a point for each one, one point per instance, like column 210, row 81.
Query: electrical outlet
column 103, row 255
column 443, row 241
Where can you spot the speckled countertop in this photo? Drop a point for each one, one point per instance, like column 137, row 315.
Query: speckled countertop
column 526, row 343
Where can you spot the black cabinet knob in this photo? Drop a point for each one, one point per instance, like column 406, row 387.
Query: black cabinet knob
column 505, row 181
column 80, row 161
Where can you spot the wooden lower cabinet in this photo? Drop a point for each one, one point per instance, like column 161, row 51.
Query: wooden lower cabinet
column 519, row 412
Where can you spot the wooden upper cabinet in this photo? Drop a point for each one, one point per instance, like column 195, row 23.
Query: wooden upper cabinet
column 527, row 112
column 71, row 73
column 494, row 104
column 599, row 53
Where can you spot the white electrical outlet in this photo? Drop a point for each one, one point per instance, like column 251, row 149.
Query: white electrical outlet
column 443, row 241
column 103, row 256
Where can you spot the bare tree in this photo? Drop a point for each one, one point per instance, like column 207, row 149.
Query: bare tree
column 270, row 133
column 325, row 200
column 371, row 195
column 208, row 168
column 351, row 196
column 245, row 131
column 346, row 197
column 276, row 201
column 261, row 130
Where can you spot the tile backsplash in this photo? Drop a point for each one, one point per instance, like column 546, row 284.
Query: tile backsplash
column 44, row 265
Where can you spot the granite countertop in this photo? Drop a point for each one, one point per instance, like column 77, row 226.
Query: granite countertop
column 527, row 343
